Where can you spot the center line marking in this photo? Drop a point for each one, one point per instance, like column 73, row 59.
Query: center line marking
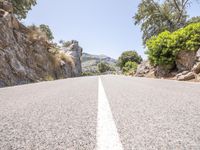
column 107, row 135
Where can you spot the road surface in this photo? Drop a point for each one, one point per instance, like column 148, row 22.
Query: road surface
column 102, row 113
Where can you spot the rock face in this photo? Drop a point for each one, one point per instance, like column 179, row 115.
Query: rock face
column 185, row 60
column 185, row 75
column 24, row 59
column 73, row 49
column 145, row 70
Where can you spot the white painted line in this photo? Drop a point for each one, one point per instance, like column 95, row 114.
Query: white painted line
column 107, row 135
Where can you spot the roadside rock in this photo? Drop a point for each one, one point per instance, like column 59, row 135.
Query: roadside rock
column 185, row 76
column 145, row 70
column 198, row 55
column 196, row 68
column 73, row 49
column 161, row 71
column 23, row 60
column 185, row 60
column 7, row 6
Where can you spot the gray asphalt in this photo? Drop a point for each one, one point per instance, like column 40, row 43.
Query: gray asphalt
column 56, row 115
column 62, row 115
column 155, row 114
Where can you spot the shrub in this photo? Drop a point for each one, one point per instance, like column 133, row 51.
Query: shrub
column 129, row 56
column 130, row 67
column 103, row 67
column 163, row 49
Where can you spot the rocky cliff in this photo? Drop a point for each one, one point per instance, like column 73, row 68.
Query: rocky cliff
column 26, row 56
column 187, row 68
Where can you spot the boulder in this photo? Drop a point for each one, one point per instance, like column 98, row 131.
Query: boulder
column 196, row 68
column 144, row 69
column 162, row 71
column 185, row 76
column 185, row 60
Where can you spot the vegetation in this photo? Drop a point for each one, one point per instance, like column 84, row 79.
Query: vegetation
column 163, row 49
column 193, row 20
column 155, row 17
column 130, row 67
column 21, row 7
column 129, row 56
column 104, row 67
column 45, row 28
column 43, row 32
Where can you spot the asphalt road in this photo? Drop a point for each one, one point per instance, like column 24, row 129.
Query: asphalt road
column 149, row 114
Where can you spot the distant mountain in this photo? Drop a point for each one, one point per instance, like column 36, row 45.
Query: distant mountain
column 89, row 62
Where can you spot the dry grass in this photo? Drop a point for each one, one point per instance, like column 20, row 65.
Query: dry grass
column 36, row 34
column 67, row 58
column 48, row 78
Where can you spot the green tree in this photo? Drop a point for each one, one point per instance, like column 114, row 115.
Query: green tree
column 155, row 17
column 103, row 67
column 21, row 7
column 45, row 28
column 129, row 56
column 163, row 49
column 130, row 67
column 193, row 20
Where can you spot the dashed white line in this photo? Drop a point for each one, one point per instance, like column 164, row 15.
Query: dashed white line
column 107, row 135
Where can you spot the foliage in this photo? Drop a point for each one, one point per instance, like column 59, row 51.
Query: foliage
column 88, row 74
column 163, row 49
column 65, row 43
column 193, row 20
column 21, row 7
column 130, row 67
column 48, row 78
column 103, row 67
column 155, row 17
column 45, row 28
column 129, row 56
column 41, row 32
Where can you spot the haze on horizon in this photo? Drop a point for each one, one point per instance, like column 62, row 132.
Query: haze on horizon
column 101, row 27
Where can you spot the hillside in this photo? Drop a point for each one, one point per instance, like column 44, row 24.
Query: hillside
column 89, row 62
column 27, row 56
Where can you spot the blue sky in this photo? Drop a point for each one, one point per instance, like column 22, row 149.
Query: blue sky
column 100, row 26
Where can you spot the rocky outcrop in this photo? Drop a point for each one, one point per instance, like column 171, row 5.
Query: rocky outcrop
column 185, row 60
column 185, row 76
column 25, row 58
column 187, row 68
column 191, row 65
column 73, row 49
column 145, row 69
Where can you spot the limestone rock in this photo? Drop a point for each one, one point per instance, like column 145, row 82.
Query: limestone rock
column 7, row 6
column 162, row 71
column 185, row 76
column 185, row 60
column 144, row 69
column 73, row 49
column 25, row 61
column 198, row 55
column 196, row 68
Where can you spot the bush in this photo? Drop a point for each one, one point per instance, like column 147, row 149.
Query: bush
column 163, row 49
column 130, row 67
column 129, row 56
column 103, row 67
